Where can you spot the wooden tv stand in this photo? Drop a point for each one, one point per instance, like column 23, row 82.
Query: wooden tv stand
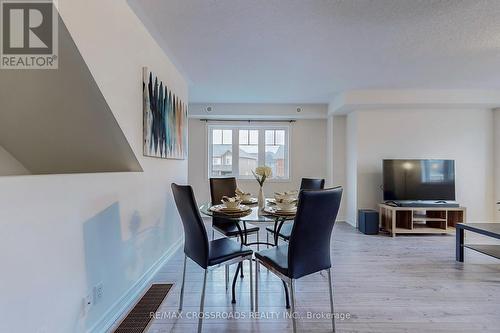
column 420, row 220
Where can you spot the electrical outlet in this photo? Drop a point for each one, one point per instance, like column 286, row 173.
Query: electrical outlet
column 87, row 303
column 98, row 292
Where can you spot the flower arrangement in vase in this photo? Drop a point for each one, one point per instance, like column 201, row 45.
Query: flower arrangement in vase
column 261, row 173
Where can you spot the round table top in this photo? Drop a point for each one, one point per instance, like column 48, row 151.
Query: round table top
column 254, row 216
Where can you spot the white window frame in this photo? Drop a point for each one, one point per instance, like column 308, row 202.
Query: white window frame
column 262, row 146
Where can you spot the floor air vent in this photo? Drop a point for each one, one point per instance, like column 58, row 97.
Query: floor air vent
column 138, row 319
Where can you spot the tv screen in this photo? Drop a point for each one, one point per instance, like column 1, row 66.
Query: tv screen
column 419, row 179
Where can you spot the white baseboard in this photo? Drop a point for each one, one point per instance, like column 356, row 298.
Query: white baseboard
column 353, row 224
column 123, row 305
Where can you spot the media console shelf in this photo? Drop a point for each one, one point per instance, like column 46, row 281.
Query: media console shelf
column 420, row 220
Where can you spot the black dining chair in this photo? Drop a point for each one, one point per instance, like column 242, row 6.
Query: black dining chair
column 308, row 250
column 286, row 229
column 207, row 254
column 220, row 187
column 226, row 186
column 312, row 184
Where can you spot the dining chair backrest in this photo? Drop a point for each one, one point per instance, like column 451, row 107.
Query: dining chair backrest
column 309, row 244
column 195, row 234
column 312, row 184
column 220, row 187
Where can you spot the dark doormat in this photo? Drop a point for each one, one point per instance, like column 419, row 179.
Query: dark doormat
column 138, row 319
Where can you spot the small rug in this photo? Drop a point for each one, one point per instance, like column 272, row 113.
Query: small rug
column 138, row 319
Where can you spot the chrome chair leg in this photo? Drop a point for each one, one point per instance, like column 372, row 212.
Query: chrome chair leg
column 267, row 239
column 251, row 286
column 256, row 286
column 182, row 285
column 330, row 286
column 258, row 245
column 202, row 302
column 227, row 276
column 292, row 293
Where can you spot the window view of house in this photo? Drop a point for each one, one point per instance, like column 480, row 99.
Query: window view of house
column 275, row 152
column 249, row 151
column 222, row 152
column 255, row 146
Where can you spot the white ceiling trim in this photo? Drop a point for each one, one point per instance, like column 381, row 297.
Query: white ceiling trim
column 414, row 99
column 257, row 111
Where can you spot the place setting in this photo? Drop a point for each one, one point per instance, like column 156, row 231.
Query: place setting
column 246, row 197
column 280, row 196
column 283, row 204
column 231, row 207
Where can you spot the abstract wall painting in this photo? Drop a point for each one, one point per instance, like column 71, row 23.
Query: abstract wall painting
column 164, row 120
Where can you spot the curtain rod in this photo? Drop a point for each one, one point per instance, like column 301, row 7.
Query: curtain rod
column 253, row 120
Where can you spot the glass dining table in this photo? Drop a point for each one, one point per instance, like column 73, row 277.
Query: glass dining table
column 254, row 215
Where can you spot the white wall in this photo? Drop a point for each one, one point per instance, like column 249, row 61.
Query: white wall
column 339, row 158
column 9, row 165
column 307, row 158
column 329, row 150
column 336, row 157
column 463, row 135
column 496, row 148
column 62, row 234
column 351, row 190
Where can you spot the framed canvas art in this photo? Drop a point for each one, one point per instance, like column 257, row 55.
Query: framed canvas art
column 164, row 119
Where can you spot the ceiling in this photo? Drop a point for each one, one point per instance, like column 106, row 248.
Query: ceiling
column 306, row 51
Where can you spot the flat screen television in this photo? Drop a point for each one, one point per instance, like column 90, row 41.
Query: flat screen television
column 419, row 180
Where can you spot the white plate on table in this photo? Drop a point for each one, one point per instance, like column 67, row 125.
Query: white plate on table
column 272, row 201
column 224, row 209
column 277, row 211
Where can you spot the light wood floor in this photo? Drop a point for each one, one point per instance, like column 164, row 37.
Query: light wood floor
column 402, row 284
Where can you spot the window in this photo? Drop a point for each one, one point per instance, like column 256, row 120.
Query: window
column 238, row 150
column 275, row 151
column 248, row 151
column 222, row 152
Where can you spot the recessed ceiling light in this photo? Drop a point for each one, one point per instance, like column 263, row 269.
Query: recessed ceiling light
column 299, row 110
column 209, row 109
